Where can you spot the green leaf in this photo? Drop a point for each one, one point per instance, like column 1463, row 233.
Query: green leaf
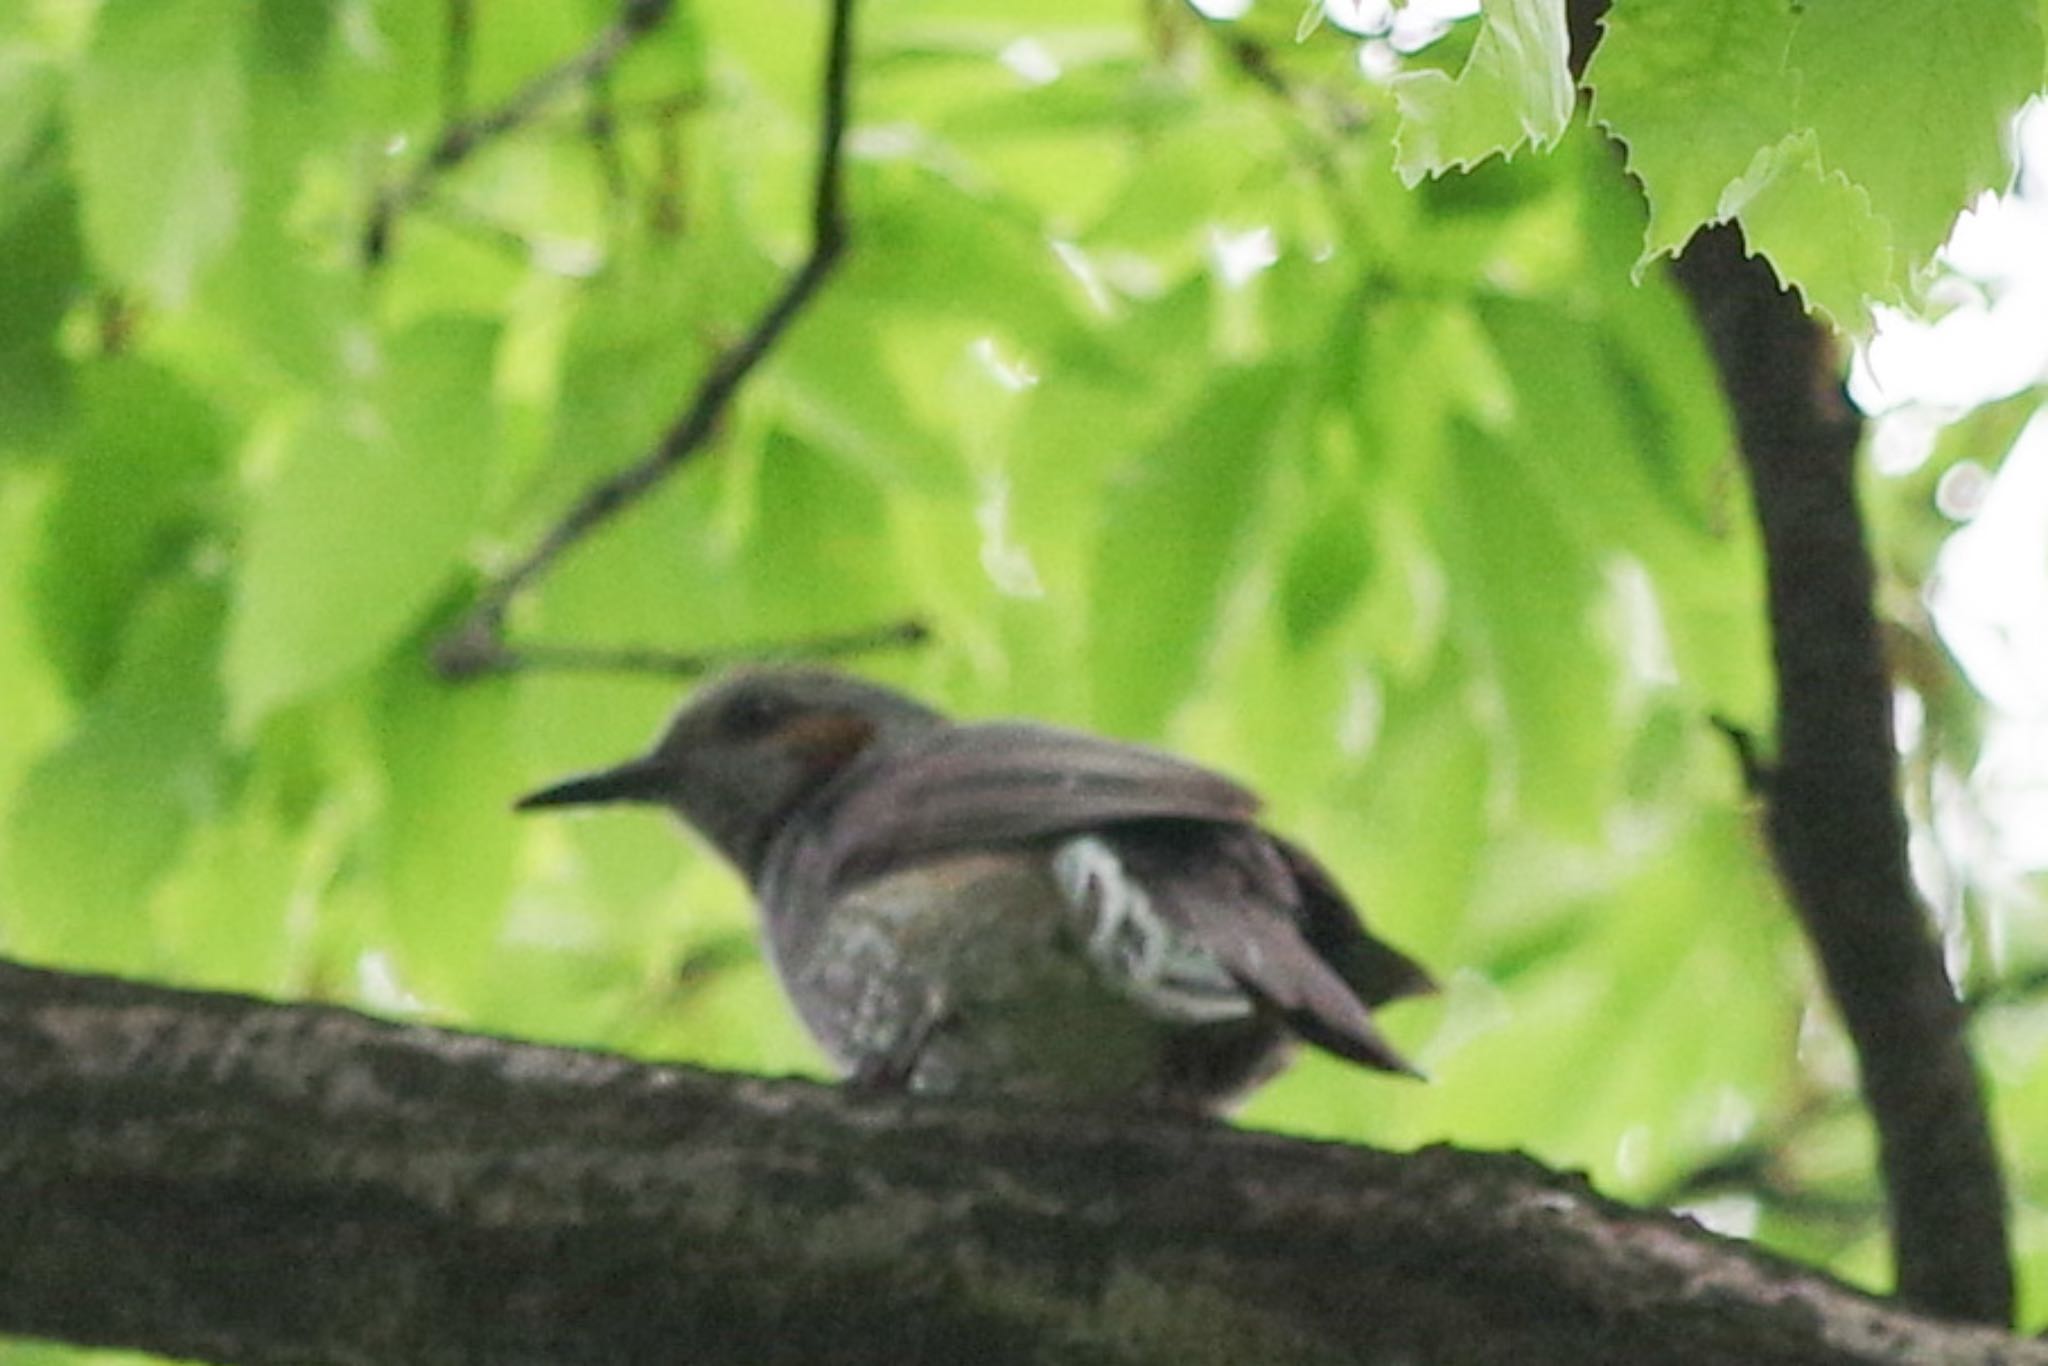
column 289, row 313
column 1666, row 379
column 1694, row 92
column 367, row 520
column 819, row 555
column 221, row 913
column 1912, row 100
column 132, row 496
column 1819, row 233
column 930, row 247
column 1530, row 598
column 29, row 87
column 1572, row 434
column 1617, row 473
column 40, row 260
column 100, row 817
column 637, row 343
column 281, row 296
column 834, row 384
column 1326, row 567
column 1115, row 93
column 1847, row 137
column 1515, row 90
column 158, row 123
column 1177, row 184
column 1167, row 543
column 388, row 76
column 448, row 761
column 37, row 707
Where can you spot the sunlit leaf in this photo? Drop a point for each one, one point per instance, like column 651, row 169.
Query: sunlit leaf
column 1531, row 604
column 1910, row 100
column 134, row 494
column 448, row 831
column 29, row 88
column 1820, row 126
column 1167, row 546
column 40, row 256
column 1328, row 564
column 398, row 467
column 103, row 814
column 1820, row 234
column 1513, row 91
column 159, row 118
column 1695, row 93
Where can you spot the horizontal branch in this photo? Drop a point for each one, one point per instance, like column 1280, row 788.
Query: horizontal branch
column 478, row 652
column 206, row 1175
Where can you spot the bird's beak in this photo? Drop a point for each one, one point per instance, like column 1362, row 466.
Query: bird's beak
column 636, row 780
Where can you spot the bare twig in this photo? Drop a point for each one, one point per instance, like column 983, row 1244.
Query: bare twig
column 601, row 132
column 473, row 642
column 460, row 656
column 1760, row 1165
column 2025, row 988
column 460, row 140
column 1311, row 140
column 461, row 29
column 1756, row 770
column 665, row 197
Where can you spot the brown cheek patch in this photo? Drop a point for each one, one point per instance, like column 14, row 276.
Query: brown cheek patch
column 826, row 740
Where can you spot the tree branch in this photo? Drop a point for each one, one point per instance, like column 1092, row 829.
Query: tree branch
column 1831, row 803
column 463, row 656
column 206, row 1175
column 459, row 28
column 1831, row 798
column 462, row 138
column 468, row 649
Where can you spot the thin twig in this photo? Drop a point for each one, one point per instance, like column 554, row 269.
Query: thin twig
column 1756, row 770
column 456, row 60
column 467, row 648
column 458, row 656
column 601, row 134
column 460, row 140
column 665, row 195
column 1311, row 140
column 2025, row 988
column 1756, row 1163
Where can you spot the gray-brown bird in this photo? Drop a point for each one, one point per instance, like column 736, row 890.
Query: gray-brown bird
column 1013, row 908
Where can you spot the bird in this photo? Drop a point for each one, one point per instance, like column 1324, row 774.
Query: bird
column 1011, row 909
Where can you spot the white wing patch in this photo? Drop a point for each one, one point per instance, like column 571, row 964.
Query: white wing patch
column 1133, row 947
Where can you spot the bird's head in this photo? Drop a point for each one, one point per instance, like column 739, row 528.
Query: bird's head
column 743, row 753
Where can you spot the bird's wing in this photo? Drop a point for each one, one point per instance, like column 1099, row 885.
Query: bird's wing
column 1261, row 910
column 960, row 787
column 1233, row 893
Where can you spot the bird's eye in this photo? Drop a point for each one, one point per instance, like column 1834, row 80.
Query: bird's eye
column 754, row 714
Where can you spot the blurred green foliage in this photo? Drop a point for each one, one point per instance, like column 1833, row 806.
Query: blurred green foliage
column 1148, row 384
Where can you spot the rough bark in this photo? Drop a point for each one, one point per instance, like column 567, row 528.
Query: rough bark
column 1831, row 794
column 210, row 1176
column 1831, row 799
